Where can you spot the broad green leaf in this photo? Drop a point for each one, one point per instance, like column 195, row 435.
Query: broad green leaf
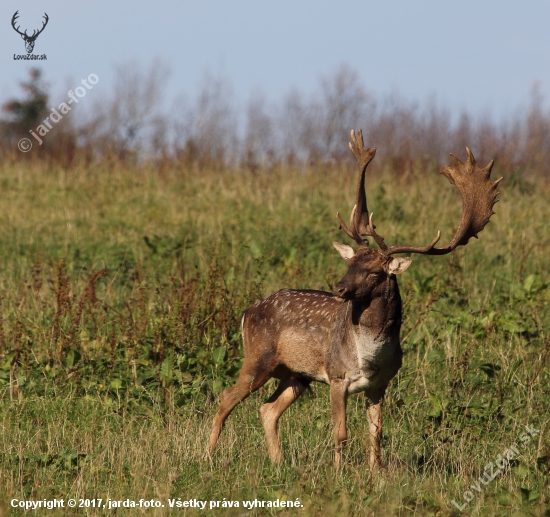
column 72, row 357
column 197, row 383
column 218, row 355
column 116, row 384
column 489, row 368
column 144, row 377
column 217, row 386
column 255, row 249
column 9, row 361
column 534, row 495
column 439, row 404
column 522, row 470
column 525, row 492
column 528, row 284
column 166, row 369
column 186, row 377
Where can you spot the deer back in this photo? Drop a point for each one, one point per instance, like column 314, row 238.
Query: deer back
column 321, row 336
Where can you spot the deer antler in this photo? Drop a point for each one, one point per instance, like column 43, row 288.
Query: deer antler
column 13, row 20
column 47, row 19
column 359, row 219
column 479, row 194
column 35, row 34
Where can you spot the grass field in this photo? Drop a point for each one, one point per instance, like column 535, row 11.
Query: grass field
column 122, row 290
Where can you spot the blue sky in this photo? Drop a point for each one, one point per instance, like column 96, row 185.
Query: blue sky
column 481, row 56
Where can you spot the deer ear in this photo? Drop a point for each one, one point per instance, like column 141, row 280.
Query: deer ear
column 346, row 252
column 399, row 264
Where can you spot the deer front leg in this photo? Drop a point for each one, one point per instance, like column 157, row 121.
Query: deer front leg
column 374, row 417
column 338, row 402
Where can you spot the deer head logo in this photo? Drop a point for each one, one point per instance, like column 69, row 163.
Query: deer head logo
column 29, row 40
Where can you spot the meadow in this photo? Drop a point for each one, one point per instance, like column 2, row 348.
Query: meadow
column 122, row 288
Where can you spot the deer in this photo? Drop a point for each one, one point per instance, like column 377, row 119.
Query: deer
column 29, row 40
column 350, row 338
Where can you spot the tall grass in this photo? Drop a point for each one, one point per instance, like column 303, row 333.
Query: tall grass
column 122, row 289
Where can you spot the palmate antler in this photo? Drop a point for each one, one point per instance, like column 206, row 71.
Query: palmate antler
column 359, row 215
column 479, row 194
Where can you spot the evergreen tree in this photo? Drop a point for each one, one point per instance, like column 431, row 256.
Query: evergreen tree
column 26, row 114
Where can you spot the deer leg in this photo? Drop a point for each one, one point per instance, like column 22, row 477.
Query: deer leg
column 287, row 392
column 246, row 384
column 374, row 417
column 338, row 403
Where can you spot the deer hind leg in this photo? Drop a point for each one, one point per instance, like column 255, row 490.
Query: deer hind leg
column 338, row 403
column 287, row 392
column 247, row 383
column 374, row 417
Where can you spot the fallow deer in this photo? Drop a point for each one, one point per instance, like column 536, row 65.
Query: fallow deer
column 348, row 339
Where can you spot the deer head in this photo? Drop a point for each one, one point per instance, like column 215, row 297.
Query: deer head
column 29, row 40
column 368, row 268
column 368, row 272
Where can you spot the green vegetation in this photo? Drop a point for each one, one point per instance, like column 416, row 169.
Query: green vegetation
column 122, row 290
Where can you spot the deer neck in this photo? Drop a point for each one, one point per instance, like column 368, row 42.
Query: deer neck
column 365, row 349
column 379, row 316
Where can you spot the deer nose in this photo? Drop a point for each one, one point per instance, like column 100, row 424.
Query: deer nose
column 340, row 290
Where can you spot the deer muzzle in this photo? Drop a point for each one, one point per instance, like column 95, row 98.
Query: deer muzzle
column 340, row 291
